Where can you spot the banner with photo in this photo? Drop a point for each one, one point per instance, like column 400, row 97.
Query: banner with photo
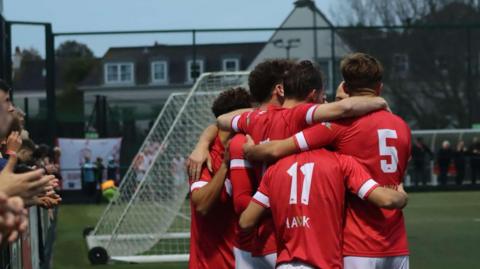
column 75, row 152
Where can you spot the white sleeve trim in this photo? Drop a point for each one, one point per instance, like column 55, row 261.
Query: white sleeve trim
column 262, row 199
column 235, row 123
column 301, row 141
column 239, row 163
column 366, row 187
column 198, row 185
column 309, row 117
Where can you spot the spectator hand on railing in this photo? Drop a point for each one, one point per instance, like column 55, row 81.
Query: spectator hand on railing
column 13, row 218
column 26, row 185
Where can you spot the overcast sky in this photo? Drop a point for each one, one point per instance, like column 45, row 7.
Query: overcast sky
column 105, row 15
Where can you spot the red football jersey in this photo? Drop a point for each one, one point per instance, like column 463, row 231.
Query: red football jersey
column 242, row 178
column 263, row 125
column 212, row 236
column 381, row 142
column 306, row 194
column 275, row 122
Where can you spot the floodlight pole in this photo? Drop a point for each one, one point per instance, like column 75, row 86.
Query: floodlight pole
column 50, row 83
column 291, row 43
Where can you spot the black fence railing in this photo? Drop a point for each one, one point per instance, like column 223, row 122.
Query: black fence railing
column 33, row 250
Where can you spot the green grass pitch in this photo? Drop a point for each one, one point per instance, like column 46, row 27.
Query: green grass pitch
column 443, row 229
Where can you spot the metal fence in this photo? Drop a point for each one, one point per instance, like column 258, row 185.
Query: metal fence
column 34, row 249
column 430, row 73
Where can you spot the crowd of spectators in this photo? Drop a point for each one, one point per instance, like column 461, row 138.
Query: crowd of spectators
column 460, row 162
column 29, row 173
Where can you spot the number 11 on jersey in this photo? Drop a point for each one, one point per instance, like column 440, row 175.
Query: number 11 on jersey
column 307, row 171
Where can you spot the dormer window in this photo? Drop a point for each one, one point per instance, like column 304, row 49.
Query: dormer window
column 194, row 70
column 159, row 72
column 119, row 73
column 231, row 65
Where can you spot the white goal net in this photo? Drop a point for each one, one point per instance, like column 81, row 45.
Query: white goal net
column 150, row 219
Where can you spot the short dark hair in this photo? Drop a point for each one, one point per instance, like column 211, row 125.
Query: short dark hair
column 360, row 70
column 265, row 76
column 304, row 77
column 230, row 100
column 28, row 144
column 4, row 86
column 41, row 151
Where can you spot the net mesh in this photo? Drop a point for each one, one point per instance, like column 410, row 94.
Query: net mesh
column 151, row 215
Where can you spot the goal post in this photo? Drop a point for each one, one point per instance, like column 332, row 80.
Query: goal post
column 149, row 221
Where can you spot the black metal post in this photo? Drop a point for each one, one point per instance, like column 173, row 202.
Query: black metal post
column 98, row 112
column 194, row 52
column 315, row 45
column 101, row 115
column 8, row 55
column 333, row 66
column 104, row 116
column 470, row 97
column 50, row 83
column 2, row 46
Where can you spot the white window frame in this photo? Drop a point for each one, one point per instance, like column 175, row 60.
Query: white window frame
column 152, row 72
column 189, row 69
column 237, row 64
column 119, row 75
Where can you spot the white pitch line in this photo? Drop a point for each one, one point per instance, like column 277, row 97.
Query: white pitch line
column 476, row 220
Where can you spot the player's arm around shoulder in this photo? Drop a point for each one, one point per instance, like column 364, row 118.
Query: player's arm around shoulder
column 226, row 121
column 348, row 107
column 389, row 198
column 270, row 151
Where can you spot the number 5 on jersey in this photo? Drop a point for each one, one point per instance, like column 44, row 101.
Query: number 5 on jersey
column 385, row 150
column 307, row 171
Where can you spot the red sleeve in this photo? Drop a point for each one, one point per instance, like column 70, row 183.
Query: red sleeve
column 240, row 176
column 205, row 177
column 239, row 123
column 262, row 196
column 358, row 181
column 318, row 136
column 303, row 115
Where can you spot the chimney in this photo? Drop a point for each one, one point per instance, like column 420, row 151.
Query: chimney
column 305, row 3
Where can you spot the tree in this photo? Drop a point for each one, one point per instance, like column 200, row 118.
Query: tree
column 30, row 54
column 73, row 49
column 437, row 90
column 76, row 60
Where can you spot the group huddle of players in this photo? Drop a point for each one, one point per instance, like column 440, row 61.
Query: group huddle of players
column 299, row 183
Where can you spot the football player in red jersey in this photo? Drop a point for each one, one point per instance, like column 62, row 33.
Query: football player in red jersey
column 306, row 194
column 265, row 83
column 266, row 87
column 303, row 83
column 212, row 219
column 373, row 238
